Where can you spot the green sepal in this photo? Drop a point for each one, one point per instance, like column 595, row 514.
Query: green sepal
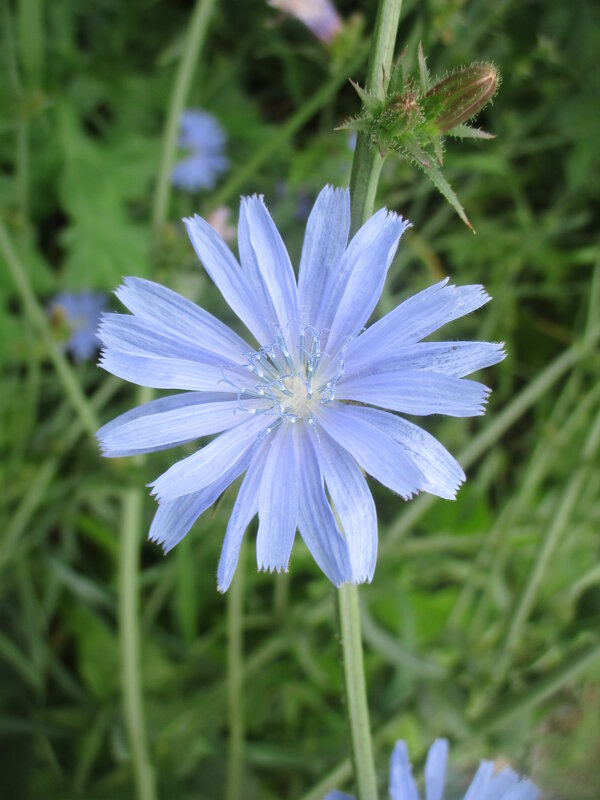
column 355, row 124
column 438, row 149
column 396, row 84
column 424, row 76
column 369, row 101
column 465, row 131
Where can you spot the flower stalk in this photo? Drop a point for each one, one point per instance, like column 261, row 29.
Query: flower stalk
column 355, row 691
column 366, row 169
column 367, row 162
column 235, row 689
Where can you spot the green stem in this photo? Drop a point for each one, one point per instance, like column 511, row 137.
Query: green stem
column 39, row 320
column 235, row 707
column 355, row 691
column 132, row 510
column 367, row 161
column 366, row 168
column 194, row 41
column 129, row 638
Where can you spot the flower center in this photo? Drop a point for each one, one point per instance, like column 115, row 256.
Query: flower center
column 297, row 395
column 291, row 381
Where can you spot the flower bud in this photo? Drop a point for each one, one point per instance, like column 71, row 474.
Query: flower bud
column 462, row 94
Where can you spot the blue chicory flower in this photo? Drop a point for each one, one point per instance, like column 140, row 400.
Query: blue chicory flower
column 78, row 315
column 319, row 16
column 488, row 784
column 202, row 134
column 296, row 413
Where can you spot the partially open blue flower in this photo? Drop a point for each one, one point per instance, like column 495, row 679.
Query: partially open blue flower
column 488, row 784
column 300, row 413
column 76, row 315
column 202, row 134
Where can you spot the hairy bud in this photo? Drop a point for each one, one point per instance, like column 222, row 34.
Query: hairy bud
column 462, row 94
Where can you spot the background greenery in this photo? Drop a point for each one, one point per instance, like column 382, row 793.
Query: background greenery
column 482, row 621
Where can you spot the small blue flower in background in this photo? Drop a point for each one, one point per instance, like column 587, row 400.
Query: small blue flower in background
column 486, row 785
column 76, row 317
column 319, row 16
column 301, row 413
column 202, row 134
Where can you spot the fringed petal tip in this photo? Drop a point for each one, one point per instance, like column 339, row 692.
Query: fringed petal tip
column 190, row 221
column 247, row 199
column 480, row 294
column 158, row 538
column 485, row 397
column 355, row 580
column 105, row 449
column 103, row 355
column 395, row 218
column 273, row 568
column 123, row 288
column 454, row 492
column 330, row 189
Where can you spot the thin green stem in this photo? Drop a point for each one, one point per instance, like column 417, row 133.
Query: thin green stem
column 367, row 161
column 193, row 44
column 366, row 168
column 39, row 320
column 355, row 691
column 132, row 510
column 235, row 697
column 129, row 637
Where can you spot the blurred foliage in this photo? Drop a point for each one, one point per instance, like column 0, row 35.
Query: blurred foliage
column 481, row 623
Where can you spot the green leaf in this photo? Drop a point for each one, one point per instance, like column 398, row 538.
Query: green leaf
column 101, row 184
column 97, row 650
